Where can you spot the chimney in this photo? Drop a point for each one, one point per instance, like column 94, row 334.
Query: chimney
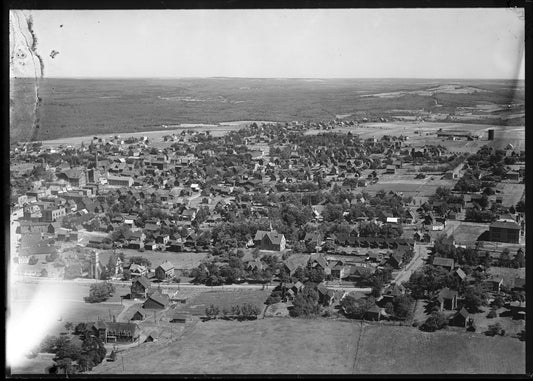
column 114, row 319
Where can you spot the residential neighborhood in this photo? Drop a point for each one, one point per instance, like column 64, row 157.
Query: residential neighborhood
column 273, row 206
column 276, row 191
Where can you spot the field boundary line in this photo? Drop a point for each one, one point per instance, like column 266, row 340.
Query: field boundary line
column 357, row 347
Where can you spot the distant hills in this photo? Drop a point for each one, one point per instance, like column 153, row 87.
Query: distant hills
column 78, row 107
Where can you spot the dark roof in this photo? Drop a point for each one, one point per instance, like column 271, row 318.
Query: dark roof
column 177, row 315
column 162, row 299
column 463, row 312
column 440, row 261
column 275, row 237
column 293, row 263
column 260, row 234
column 166, row 266
column 116, row 326
column 144, row 281
column 318, row 258
column 137, row 310
column 505, row 225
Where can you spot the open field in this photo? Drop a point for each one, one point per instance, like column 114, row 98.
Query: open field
column 322, row 346
column 268, row 346
column 77, row 107
column 408, row 185
column 461, row 146
column 155, row 136
column 511, row 192
column 199, row 302
column 403, row 350
column 465, row 233
column 426, row 133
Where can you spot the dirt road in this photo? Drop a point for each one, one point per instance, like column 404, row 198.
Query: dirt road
column 421, row 254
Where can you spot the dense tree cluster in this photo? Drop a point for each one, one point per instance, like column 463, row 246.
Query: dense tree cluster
column 245, row 311
column 100, row 292
column 356, row 308
column 437, row 320
column 71, row 357
column 306, row 303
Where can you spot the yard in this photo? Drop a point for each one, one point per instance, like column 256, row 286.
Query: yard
column 510, row 325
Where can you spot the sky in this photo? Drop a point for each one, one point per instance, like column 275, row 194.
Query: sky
column 312, row 43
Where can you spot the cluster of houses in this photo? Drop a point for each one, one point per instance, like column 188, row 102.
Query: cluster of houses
column 152, row 303
column 259, row 159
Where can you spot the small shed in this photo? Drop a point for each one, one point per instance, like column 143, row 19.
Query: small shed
column 180, row 317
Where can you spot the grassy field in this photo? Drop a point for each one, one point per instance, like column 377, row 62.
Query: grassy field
column 467, row 233
column 77, row 107
column 268, row 346
column 408, row 185
column 405, row 350
column 299, row 346
column 197, row 304
column 511, row 192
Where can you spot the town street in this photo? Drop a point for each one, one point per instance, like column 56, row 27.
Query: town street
column 421, row 254
column 176, row 286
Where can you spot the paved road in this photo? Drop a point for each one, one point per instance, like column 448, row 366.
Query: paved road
column 421, row 254
column 177, row 286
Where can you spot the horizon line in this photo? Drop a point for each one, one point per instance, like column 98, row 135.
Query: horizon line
column 275, row 78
